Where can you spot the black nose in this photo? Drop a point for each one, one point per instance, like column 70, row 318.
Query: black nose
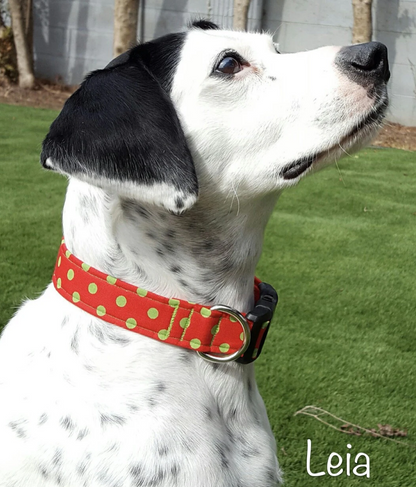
column 364, row 63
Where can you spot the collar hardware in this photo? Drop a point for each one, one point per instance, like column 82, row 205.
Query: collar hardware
column 260, row 316
column 221, row 359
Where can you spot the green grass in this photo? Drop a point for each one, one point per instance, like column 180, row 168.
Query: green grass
column 340, row 249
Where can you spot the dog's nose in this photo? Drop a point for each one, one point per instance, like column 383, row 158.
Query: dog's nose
column 364, row 63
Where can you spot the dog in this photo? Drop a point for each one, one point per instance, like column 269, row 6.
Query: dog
column 176, row 153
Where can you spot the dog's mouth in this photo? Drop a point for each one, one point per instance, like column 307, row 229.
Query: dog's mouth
column 372, row 120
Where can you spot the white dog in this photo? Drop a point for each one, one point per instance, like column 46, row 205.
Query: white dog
column 176, row 154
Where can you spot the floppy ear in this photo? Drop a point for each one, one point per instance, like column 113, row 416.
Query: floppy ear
column 120, row 131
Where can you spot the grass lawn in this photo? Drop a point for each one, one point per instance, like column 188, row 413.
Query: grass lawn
column 340, row 249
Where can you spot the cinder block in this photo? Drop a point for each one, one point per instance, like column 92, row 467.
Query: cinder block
column 302, row 11
column 403, row 80
column 395, row 16
column 303, row 37
column 402, row 110
column 336, row 13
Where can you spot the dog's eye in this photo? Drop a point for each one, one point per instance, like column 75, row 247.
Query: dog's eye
column 229, row 65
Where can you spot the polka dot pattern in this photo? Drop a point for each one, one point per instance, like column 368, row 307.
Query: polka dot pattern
column 131, row 323
column 169, row 320
column 121, row 301
column 205, row 312
column 92, row 288
column 195, row 343
column 101, row 311
column 184, row 323
column 152, row 313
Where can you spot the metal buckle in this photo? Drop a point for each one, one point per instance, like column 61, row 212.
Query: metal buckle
column 218, row 359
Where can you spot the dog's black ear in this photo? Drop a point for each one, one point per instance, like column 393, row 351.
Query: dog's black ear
column 120, row 131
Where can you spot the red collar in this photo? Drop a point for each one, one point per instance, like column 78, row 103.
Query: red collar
column 178, row 322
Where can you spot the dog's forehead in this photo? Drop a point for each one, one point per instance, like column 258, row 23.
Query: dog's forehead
column 207, row 44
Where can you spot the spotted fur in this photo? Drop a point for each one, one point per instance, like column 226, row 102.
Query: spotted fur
column 174, row 169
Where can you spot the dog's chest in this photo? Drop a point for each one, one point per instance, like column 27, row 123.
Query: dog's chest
column 119, row 409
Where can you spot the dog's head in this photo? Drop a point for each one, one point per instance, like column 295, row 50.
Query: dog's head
column 222, row 107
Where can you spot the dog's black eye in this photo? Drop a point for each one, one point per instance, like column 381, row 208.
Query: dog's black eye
column 229, row 65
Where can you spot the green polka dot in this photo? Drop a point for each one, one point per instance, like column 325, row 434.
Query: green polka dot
column 75, row 297
column 242, row 336
column 101, row 311
column 174, row 302
column 121, row 301
column 63, row 241
column 92, row 288
column 59, row 261
column 86, row 267
column 58, row 283
column 131, row 323
column 233, row 319
column 265, row 325
column 224, row 347
column 141, row 292
column 184, row 323
column 152, row 313
column 68, row 254
column 70, row 274
column 255, row 351
column 111, row 280
column 205, row 312
column 195, row 343
column 163, row 334
column 214, row 329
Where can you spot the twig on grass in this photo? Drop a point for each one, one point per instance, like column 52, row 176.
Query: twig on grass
column 385, row 431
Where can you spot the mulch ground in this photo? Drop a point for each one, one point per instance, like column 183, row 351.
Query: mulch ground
column 49, row 95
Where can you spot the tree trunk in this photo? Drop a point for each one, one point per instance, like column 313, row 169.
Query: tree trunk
column 24, row 56
column 240, row 14
column 363, row 24
column 126, row 14
column 28, row 16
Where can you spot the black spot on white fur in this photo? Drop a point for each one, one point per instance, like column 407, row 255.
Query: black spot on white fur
column 111, row 419
column 17, row 427
column 67, row 424
column 43, row 418
column 82, row 434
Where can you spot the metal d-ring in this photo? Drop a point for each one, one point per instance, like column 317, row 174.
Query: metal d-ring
column 246, row 337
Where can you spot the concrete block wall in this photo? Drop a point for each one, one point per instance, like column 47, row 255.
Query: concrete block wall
column 300, row 25
column 74, row 37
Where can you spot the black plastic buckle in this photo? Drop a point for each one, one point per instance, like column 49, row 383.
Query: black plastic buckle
column 261, row 315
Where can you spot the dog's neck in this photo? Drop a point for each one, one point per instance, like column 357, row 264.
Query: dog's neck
column 207, row 255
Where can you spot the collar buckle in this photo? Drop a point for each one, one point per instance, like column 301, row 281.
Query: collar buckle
column 260, row 316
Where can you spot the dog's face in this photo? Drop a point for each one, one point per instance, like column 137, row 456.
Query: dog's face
column 217, row 108
column 261, row 119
